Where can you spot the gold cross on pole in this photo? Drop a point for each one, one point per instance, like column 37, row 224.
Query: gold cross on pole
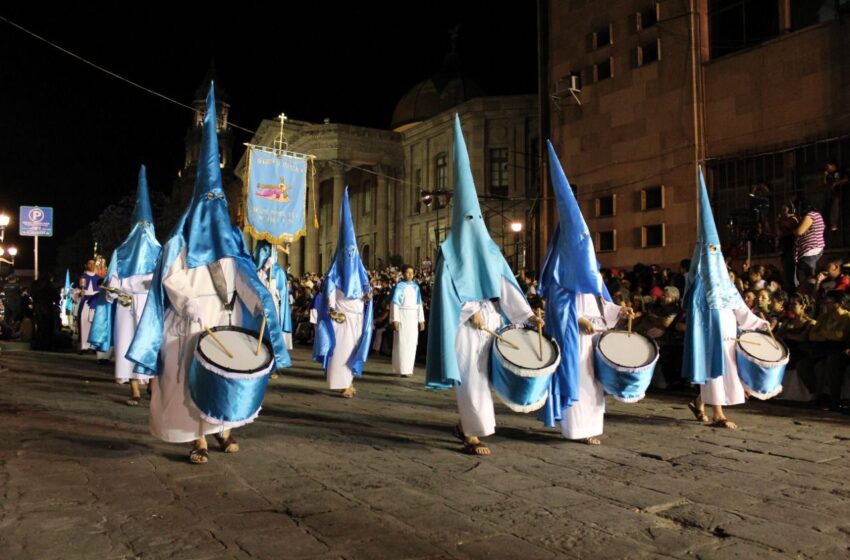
column 280, row 143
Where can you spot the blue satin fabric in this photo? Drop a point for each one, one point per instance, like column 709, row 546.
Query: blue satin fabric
column 223, row 398
column 708, row 294
column 100, row 335
column 516, row 390
column 470, row 267
column 262, row 251
column 760, row 379
column 206, row 233
column 347, row 274
column 570, row 269
column 398, row 292
column 139, row 252
column 622, row 384
column 68, row 301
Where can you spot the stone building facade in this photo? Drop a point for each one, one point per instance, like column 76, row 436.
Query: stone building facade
column 643, row 90
column 389, row 171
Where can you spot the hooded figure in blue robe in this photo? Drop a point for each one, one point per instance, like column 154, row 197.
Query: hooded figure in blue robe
column 575, row 293
column 474, row 289
column 205, row 278
column 128, row 279
column 714, row 311
column 344, row 324
column 276, row 280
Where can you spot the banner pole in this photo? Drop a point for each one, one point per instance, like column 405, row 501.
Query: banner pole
column 35, row 254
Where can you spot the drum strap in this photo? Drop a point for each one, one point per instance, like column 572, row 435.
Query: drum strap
column 220, row 285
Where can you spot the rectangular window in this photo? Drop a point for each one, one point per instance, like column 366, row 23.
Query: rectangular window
column 499, row 171
column 603, row 70
column 738, row 24
column 603, row 36
column 652, row 236
column 647, row 18
column 417, row 189
column 649, row 53
column 652, row 198
column 440, row 179
column 606, row 206
column 606, row 241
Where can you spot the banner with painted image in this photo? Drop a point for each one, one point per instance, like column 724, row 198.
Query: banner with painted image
column 277, row 195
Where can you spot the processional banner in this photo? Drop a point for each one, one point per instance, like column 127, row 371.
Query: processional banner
column 277, row 195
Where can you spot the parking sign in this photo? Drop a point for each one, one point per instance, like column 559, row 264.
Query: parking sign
column 36, row 221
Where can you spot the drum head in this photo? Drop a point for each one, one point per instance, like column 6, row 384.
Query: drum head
column 760, row 346
column 627, row 350
column 526, row 355
column 242, row 343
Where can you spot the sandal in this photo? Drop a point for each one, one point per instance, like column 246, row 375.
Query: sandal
column 349, row 393
column 700, row 415
column 724, row 423
column 133, row 401
column 458, row 432
column 592, row 440
column 228, row 445
column 478, row 449
column 199, row 456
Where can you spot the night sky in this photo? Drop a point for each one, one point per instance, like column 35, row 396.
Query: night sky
column 73, row 137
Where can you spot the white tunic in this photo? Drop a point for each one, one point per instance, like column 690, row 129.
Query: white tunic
column 173, row 415
column 409, row 314
column 347, row 336
column 727, row 389
column 472, row 348
column 126, row 320
column 86, row 316
column 585, row 417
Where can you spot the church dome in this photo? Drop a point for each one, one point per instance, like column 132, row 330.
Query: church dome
column 446, row 89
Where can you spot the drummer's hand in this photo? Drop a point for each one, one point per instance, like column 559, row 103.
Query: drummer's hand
column 192, row 311
column 367, row 296
column 585, row 326
column 396, row 326
column 536, row 321
column 627, row 313
column 422, row 326
column 477, row 321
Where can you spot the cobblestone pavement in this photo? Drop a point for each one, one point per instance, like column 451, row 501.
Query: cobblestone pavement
column 380, row 476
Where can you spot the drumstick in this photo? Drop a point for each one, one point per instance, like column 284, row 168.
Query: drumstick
column 260, row 340
column 752, row 342
column 219, row 342
column 540, row 335
column 770, row 330
column 502, row 338
column 630, row 325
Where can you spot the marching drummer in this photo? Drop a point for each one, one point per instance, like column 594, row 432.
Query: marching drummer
column 344, row 327
column 473, row 290
column 201, row 281
column 714, row 311
column 577, row 305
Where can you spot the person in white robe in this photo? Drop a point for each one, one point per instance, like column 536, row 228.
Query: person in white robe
column 408, row 318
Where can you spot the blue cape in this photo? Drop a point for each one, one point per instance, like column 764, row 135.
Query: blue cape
column 205, row 232
column 570, row 269
column 348, row 275
column 100, row 334
column 708, row 291
column 470, row 267
column 68, row 302
column 262, row 251
column 398, row 292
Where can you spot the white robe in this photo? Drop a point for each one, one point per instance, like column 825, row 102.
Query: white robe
column 585, row 418
column 347, row 336
column 472, row 348
column 173, row 415
column 727, row 390
column 126, row 321
column 409, row 314
column 86, row 318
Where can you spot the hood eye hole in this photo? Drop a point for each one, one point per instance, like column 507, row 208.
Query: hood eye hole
column 470, row 218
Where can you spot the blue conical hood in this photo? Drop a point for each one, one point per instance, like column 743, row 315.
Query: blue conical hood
column 142, row 212
column 708, row 268
column 347, row 272
column 262, row 251
column 475, row 262
column 209, row 234
column 572, row 259
column 140, row 251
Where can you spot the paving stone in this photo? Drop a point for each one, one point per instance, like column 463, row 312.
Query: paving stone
column 506, row 547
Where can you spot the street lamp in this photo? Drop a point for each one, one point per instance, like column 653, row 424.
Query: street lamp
column 4, row 222
column 516, row 227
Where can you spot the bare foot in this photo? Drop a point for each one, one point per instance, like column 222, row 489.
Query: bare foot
column 199, row 455
column 473, row 446
column 724, row 423
column 349, row 393
column 592, row 440
column 698, row 412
